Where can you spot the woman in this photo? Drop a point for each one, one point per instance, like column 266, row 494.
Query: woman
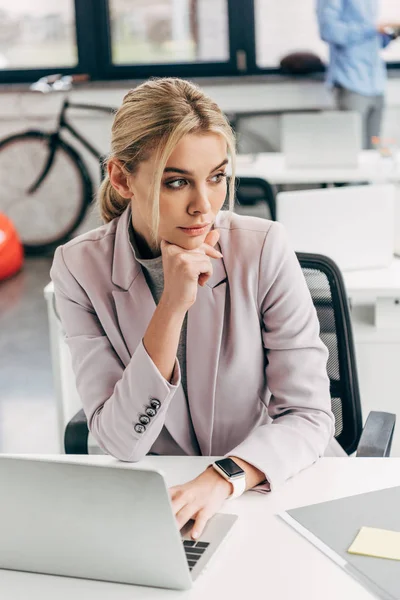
column 191, row 329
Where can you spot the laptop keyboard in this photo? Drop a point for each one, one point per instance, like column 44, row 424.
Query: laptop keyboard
column 193, row 551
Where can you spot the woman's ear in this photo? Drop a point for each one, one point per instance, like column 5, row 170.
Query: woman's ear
column 118, row 178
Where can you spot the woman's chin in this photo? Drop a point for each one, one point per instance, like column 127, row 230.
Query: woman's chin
column 193, row 243
column 188, row 242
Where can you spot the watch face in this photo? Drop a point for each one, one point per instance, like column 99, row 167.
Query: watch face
column 229, row 467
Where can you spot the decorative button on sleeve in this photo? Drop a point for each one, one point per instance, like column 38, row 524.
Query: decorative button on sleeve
column 154, row 403
column 151, row 412
column 144, row 419
column 140, row 428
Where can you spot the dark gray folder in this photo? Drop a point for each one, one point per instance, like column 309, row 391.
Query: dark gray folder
column 337, row 523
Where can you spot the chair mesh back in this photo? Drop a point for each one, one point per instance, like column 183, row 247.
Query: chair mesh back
column 318, row 284
column 329, row 297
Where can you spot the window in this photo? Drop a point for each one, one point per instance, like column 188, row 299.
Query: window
column 37, row 34
column 168, row 31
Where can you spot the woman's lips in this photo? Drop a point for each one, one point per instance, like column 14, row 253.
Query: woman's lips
column 195, row 230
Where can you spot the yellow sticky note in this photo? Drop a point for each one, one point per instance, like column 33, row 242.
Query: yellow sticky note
column 381, row 543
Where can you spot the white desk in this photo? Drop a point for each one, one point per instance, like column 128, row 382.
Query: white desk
column 272, row 167
column 379, row 288
column 263, row 557
column 369, row 284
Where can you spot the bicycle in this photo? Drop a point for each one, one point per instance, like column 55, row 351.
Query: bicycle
column 45, row 185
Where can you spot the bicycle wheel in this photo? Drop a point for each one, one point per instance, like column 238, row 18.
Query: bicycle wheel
column 48, row 216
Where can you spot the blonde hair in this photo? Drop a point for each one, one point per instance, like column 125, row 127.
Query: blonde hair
column 154, row 117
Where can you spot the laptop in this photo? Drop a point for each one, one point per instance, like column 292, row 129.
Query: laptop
column 328, row 139
column 112, row 523
column 353, row 225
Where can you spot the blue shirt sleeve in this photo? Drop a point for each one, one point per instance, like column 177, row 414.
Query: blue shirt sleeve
column 334, row 30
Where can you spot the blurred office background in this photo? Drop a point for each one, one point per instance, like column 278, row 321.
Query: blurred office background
column 233, row 49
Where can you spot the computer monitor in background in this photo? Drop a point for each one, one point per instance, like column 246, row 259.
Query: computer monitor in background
column 322, row 139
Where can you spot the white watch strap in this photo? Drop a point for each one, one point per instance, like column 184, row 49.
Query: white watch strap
column 239, row 486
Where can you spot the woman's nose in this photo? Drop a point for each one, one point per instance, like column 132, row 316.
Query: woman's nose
column 200, row 202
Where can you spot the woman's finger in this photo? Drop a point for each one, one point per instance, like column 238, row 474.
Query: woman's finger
column 178, row 499
column 203, row 278
column 212, row 237
column 206, row 249
column 163, row 244
column 211, row 251
column 185, row 514
column 200, row 522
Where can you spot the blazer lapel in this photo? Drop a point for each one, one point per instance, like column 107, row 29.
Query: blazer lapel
column 134, row 309
column 134, row 304
column 204, row 337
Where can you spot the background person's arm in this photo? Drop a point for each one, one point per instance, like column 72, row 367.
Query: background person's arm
column 334, row 30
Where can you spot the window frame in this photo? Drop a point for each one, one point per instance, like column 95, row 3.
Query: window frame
column 110, row 71
column 84, row 37
column 94, row 51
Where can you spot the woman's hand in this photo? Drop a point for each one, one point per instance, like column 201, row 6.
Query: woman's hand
column 185, row 269
column 199, row 499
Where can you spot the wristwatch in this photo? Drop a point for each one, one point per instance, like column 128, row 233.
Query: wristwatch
column 231, row 471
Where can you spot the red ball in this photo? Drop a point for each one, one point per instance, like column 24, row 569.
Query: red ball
column 11, row 250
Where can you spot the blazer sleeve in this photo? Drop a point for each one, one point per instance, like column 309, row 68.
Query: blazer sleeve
column 335, row 30
column 300, row 404
column 112, row 396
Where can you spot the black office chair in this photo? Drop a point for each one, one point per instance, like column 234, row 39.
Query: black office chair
column 252, row 190
column 327, row 290
column 328, row 293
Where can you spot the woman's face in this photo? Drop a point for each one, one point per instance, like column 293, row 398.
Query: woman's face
column 193, row 190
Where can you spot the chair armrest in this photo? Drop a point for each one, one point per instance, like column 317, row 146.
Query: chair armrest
column 377, row 435
column 76, row 435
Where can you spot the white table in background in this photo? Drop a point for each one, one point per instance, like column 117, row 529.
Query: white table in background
column 272, row 167
column 379, row 288
column 263, row 557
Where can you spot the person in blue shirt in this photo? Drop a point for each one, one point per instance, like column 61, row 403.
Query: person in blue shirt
column 356, row 70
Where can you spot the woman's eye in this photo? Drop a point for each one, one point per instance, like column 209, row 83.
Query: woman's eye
column 178, row 182
column 219, row 177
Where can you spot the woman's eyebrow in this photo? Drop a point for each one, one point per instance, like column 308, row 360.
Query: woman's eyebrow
column 183, row 172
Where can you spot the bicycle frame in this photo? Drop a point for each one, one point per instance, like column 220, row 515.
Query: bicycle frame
column 63, row 123
column 55, row 136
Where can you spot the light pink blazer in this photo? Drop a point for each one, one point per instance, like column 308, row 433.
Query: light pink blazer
column 256, row 368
